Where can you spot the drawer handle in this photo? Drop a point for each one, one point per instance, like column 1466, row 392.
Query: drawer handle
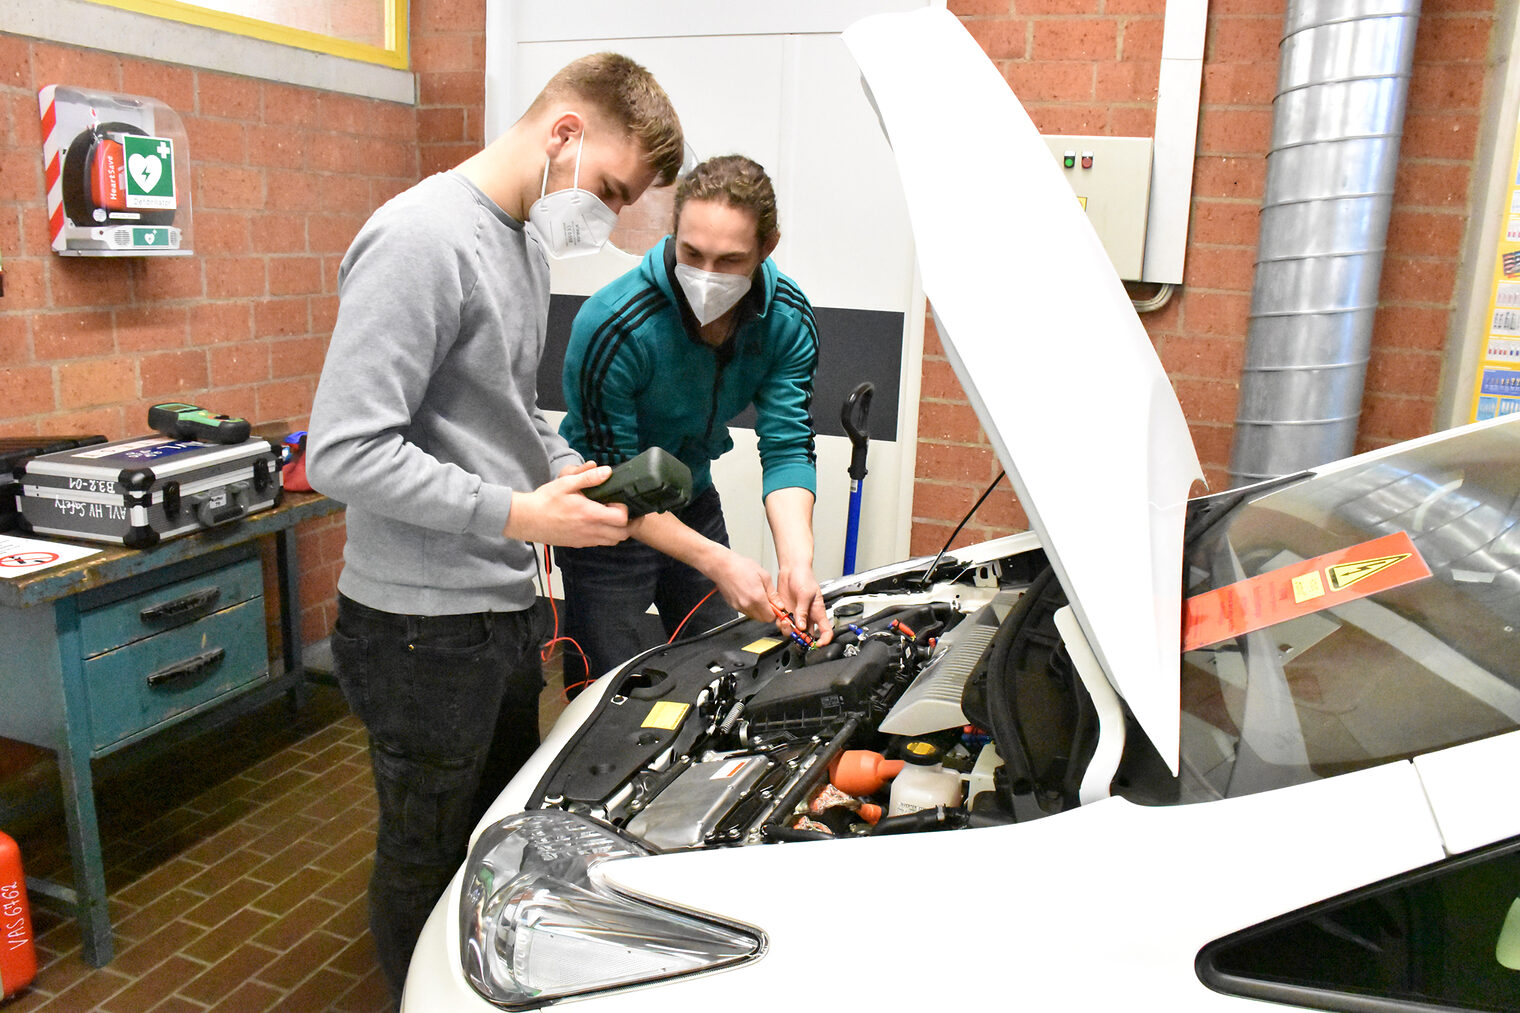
column 198, row 665
column 191, row 602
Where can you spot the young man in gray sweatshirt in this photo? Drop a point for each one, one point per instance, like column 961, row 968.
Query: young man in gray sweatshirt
column 426, row 424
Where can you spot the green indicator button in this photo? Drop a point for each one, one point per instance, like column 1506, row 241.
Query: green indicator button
column 150, row 237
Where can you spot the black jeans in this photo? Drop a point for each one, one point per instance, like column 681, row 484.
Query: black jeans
column 609, row 588
column 451, row 706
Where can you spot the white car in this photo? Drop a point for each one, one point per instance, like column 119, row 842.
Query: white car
column 1158, row 752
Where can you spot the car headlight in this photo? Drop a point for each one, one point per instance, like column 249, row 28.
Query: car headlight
column 538, row 923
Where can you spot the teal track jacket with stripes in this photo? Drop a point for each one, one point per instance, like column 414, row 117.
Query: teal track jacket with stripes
column 638, row 375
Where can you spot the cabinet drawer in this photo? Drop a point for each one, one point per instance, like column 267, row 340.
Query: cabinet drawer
column 168, row 606
column 163, row 677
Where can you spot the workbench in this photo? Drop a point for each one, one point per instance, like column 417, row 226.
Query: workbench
column 103, row 652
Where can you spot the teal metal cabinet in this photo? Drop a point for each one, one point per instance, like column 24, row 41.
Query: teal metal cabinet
column 102, row 653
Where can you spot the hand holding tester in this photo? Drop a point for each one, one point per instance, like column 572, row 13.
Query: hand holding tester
column 649, row 483
column 191, row 422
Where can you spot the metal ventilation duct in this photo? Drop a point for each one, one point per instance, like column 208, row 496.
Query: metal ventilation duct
column 1338, row 116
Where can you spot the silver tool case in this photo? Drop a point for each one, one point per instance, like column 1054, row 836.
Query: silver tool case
column 139, row 491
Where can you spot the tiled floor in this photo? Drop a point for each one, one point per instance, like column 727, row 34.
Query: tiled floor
column 236, row 864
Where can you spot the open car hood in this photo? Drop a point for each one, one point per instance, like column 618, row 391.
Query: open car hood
column 1047, row 345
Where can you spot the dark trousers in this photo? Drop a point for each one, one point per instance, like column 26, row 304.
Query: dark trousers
column 451, row 706
column 609, row 588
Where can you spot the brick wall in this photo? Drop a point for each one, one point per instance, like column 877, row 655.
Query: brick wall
column 1090, row 66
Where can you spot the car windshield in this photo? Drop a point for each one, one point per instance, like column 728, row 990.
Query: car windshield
column 1373, row 644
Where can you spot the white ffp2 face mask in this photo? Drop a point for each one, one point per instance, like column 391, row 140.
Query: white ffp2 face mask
column 573, row 222
column 711, row 293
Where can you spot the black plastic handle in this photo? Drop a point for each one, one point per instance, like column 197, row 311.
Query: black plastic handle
column 192, row 602
column 854, row 416
column 189, row 668
column 234, row 507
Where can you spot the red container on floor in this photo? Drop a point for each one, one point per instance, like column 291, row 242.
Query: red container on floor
column 18, row 958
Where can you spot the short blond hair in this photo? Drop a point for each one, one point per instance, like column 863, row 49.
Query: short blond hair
column 628, row 96
column 736, row 181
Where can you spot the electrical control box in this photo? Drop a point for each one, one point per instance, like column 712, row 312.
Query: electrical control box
column 1111, row 177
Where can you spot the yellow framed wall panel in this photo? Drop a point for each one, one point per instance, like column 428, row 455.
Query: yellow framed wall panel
column 393, row 54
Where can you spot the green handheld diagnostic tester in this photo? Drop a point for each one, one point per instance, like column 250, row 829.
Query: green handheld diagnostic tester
column 651, row 482
column 191, row 422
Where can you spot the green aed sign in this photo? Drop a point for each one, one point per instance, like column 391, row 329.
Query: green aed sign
column 150, row 172
column 150, row 237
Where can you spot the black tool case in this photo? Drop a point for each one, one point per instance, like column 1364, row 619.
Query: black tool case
column 136, row 492
column 16, row 451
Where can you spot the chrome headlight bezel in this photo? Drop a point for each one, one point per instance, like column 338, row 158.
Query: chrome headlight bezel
column 538, row 922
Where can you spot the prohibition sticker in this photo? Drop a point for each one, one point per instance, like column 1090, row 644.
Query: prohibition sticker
column 665, row 714
column 1312, row 585
column 29, row 559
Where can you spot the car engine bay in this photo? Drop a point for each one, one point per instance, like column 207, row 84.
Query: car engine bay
column 942, row 703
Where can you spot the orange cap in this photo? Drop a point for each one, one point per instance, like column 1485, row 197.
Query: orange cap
column 862, row 772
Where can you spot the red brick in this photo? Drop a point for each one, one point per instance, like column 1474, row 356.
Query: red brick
column 167, row 375
column 234, row 277
column 217, row 140
column 1205, row 357
column 974, row 8
column 286, row 399
column 397, row 121
column 87, row 281
column 1075, row 39
column 1225, row 223
column 1411, row 327
column 1439, row 135
column 233, row 98
column 1453, row 39
column 1402, row 372
column 287, row 104
column 275, row 232
column 451, row 51
column 1417, row 279
column 951, row 463
column 955, row 422
column 1253, row 83
column 940, row 381
column 173, row 86
column 96, row 382
column 109, row 422
column 439, row 125
column 1214, row 176
column 1445, row 85
column 15, row 64
column 324, row 314
column 25, row 283
column 155, row 278
column 1001, row 39
column 1426, row 232
column 1070, row 7
column 344, row 114
column 239, row 401
column 942, row 501
column 1232, row 268
column 434, row 16
column 1130, row 81
column 1207, row 400
column 83, row 68
column 1213, row 442
column 1395, row 419
column 1141, row 39
column 297, row 357
column 15, row 338
column 294, row 275
column 1132, row 121
column 333, row 233
column 236, row 364
column 434, row 158
column 1243, row 40
column 75, row 335
column 1430, row 184
column 151, row 328
column 341, row 194
column 1002, row 513
column 283, row 147
column 452, row 88
column 279, row 317
column 221, row 186
column 1157, row 7
column 1221, row 313
column 26, row 390
column 1235, row 132
column 1049, row 81
column 224, row 232
column 1069, row 119
column 290, row 190
column 220, row 322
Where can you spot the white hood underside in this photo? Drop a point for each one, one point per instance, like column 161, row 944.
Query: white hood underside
column 1047, row 345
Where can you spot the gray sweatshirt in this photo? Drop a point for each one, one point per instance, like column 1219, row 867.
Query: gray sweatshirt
column 426, row 417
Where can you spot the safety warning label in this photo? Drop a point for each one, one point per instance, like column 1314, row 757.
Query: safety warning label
column 1292, row 591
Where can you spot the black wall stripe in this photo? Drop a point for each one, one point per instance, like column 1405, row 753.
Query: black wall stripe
column 853, row 346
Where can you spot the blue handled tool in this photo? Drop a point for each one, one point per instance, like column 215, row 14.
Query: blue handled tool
column 853, row 416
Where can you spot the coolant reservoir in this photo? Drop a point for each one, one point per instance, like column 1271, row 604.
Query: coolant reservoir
column 923, row 783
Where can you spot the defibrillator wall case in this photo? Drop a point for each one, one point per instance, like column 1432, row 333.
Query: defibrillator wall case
column 136, row 492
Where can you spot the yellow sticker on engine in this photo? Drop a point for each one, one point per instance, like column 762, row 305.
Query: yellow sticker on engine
column 666, row 714
column 761, row 646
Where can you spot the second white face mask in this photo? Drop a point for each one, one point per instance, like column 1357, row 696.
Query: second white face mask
column 711, row 293
column 573, row 222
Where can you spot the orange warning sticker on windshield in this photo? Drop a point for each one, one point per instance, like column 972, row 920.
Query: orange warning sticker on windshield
column 1298, row 590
